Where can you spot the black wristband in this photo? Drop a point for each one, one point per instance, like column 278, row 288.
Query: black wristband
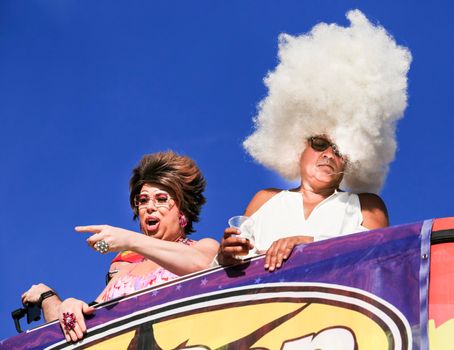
column 45, row 295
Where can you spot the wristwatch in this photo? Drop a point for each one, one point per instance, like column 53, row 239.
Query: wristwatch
column 45, row 295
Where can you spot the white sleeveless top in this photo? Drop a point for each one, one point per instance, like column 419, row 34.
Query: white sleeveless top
column 283, row 216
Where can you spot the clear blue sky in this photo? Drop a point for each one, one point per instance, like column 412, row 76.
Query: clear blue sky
column 88, row 87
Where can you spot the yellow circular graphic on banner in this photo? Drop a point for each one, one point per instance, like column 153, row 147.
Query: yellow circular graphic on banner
column 303, row 316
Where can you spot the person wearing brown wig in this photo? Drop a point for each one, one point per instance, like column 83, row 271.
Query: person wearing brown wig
column 166, row 195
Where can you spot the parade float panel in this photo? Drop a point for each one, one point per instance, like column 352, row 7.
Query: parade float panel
column 441, row 291
column 362, row 291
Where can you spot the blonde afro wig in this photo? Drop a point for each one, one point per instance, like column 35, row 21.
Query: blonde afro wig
column 346, row 82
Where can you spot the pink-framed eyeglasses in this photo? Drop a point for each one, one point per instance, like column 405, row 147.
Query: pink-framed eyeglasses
column 159, row 200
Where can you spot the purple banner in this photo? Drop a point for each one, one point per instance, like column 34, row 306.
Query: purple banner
column 361, row 291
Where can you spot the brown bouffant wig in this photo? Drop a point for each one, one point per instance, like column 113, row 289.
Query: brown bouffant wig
column 179, row 175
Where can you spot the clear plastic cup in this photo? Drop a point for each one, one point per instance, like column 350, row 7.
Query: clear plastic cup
column 246, row 227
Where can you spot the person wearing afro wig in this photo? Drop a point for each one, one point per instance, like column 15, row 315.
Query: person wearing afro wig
column 328, row 121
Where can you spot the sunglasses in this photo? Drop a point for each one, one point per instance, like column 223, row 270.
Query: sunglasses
column 321, row 144
column 159, row 200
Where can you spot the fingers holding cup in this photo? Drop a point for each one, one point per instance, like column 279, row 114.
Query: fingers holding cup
column 245, row 234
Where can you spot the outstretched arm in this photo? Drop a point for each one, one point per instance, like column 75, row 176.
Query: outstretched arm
column 178, row 258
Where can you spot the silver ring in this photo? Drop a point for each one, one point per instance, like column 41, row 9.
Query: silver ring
column 101, row 247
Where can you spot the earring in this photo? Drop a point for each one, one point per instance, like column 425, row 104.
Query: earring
column 183, row 220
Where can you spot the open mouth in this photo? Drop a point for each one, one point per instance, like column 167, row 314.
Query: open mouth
column 152, row 223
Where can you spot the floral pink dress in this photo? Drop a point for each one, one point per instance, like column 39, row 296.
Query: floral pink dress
column 130, row 283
